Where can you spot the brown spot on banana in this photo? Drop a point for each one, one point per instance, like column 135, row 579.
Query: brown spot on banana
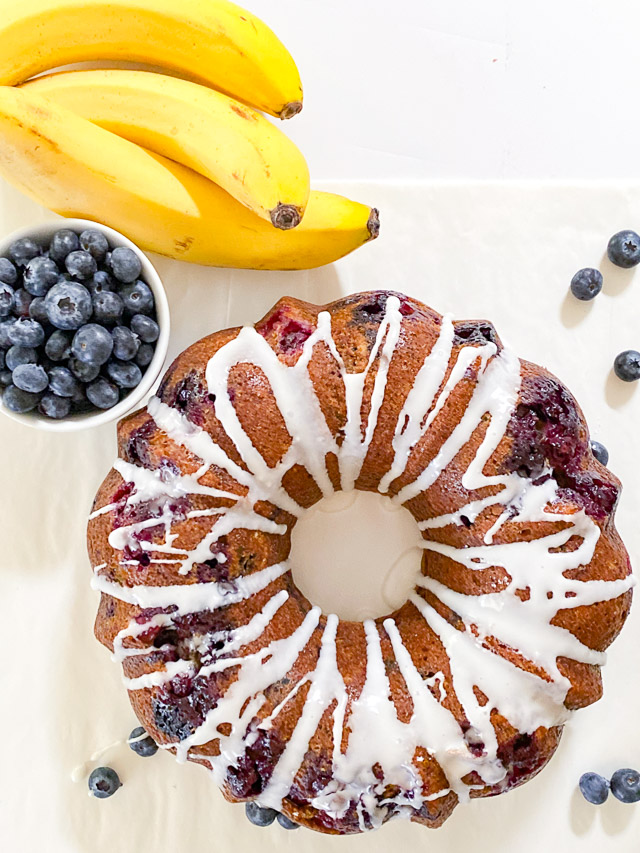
column 33, row 131
column 285, row 216
column 183, row 245
column 291, row 109
column 243, row 113
column 373, row 223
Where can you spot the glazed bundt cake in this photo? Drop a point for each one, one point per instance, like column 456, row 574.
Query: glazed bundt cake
column 461, row 692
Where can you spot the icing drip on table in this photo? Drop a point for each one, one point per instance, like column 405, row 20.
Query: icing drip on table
column 377, row 736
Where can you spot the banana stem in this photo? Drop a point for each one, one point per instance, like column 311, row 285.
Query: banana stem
column 373, row 223
column 291, row 109
column 285, row 216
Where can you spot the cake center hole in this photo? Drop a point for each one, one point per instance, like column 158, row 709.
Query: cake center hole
column 356, row 554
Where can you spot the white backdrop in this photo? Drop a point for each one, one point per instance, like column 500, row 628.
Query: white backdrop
column 492, row 89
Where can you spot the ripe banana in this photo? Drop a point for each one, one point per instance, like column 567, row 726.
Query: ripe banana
column 79, row 169
column 213, row 41
column 232, row 145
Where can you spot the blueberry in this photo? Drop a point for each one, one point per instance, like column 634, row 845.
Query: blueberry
column 144, row 355
column 21, row 302
column 62, row 244
column 126, row 374
column 5, row 326
column 100, row 282
column 62, row 382
column 104, row 782
column 30, row 377
column 141, row 745
column 6, row 377
column 145, row 328
column 285, row 823
column 22, row 251
column 594, row 788
column 586, row 284
column 137, row 298
column 600, row 452
column 19, row 401
column 107, row 307
column 40, row 274
column 38, row 311
column 258, row 815
column 8, row 273
column 20, row 355
column 125, row 264
column 627, row 365
column 92, row 344
column 624, row 249
column 81, row 265
column 58, row 347
column 125, row 343
column 55, row 407
column 95, row 243
column 7, row 294
column 68, row 305
column 625, row 785
column 82, row 370
column 102, row 394
column 26, row 333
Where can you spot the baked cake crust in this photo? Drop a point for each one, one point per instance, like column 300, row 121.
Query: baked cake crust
column 461, row 692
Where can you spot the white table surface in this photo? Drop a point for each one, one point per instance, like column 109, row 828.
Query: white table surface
column 506, row 252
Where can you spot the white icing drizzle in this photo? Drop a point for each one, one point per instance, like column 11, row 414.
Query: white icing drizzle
column 245, row 696
column 193, row 597
column 377, row 737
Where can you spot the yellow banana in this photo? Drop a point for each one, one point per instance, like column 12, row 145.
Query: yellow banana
column 79, row 169
column 232, row 145
column 212, row 41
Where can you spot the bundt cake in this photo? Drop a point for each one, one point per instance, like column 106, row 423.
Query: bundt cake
column 461, row 692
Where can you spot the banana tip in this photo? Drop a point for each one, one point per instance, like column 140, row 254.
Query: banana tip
column 285, row 216
column 373, row 223
column 291, row 109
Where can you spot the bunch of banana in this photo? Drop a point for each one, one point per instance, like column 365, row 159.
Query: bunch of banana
column 180, row 167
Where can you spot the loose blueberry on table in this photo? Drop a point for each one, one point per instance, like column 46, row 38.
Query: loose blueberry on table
column 594, row 788
column 77, row 325
column 625, row 785
column 285, row 823
column 600, row 452
column 142, row 743
column 586, row 284
column 260, row 816
column 104, row 782
column 627, row 365
column 624, row 249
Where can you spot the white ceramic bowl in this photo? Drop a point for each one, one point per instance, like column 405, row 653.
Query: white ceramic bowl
column 42, row 234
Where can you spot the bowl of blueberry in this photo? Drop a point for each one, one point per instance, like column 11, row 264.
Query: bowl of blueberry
column 84, row 325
